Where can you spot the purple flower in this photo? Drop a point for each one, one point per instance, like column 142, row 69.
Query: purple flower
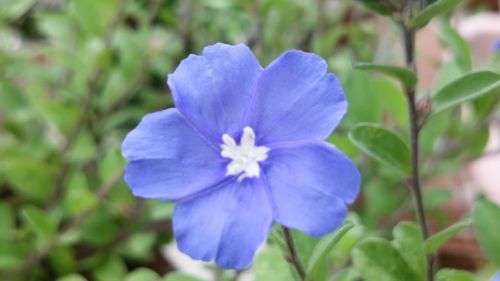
column 244, row 148
column 496, row 277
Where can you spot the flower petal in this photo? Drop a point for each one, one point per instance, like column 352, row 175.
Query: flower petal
column 167, row 135
column 310, row 185
column 169, row 159
column 215, row 89
column 171, row 179
column 227, row 224
column 296, row 100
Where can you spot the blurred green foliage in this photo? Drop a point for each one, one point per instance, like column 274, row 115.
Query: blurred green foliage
column 77, row 75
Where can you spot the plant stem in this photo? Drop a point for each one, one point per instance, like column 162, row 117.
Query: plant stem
column 409, row 46
column 293, row 259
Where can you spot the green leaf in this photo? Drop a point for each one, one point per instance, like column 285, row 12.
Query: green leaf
column 58, row 27
column 486, row 216
column 270, row 265
column 142, row 274
column 112, row 269
column 454, row 275
column 83, row 148
column 433, row 243
column 343, row 143
column 377, row 6
column 349, row 274
column 364, row 105
column 457, row 44
column 179, row 277
column 7, row 223
column 436, row 8
column 466, row 88
column 382, row 144
column 78, row 197
column 111, row 165
column 408, row 240
column 10, row 254
column 29, row 178
column 63, row 260
column 158, row 210
column 323, row 248
column 139, row 246
column 405, row 76
column 41, row 223
column 394, row 104
column 72, row 277
column 13, row 9
column 94, row 16
column 435, row 197
column 98, row 221
column 378, row 260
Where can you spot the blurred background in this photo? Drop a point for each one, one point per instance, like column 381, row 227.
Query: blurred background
column 76, row 76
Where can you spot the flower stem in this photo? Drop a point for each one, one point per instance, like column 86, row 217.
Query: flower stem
column 293, row 258
column 409, row 46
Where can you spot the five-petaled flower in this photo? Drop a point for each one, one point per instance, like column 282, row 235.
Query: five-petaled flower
column 244, row 148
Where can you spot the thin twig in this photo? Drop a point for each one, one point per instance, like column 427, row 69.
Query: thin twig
column 409, row 45
column 73, row 224
column 293, row 258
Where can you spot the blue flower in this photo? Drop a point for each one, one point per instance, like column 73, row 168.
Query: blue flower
column 496, row 277
column 244, row 148
column 496, row 46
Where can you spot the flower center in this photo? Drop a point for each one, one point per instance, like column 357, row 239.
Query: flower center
column 245, row 157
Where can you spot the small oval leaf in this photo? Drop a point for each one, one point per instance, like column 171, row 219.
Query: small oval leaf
column 436, row 8
column 465, row 88
column 433, row 243
column 486, row 220
column 323, row 248
column 405, row 76
column 377, row 259
column 382, row 144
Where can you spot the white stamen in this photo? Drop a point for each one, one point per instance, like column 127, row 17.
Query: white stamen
column 245, row 157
